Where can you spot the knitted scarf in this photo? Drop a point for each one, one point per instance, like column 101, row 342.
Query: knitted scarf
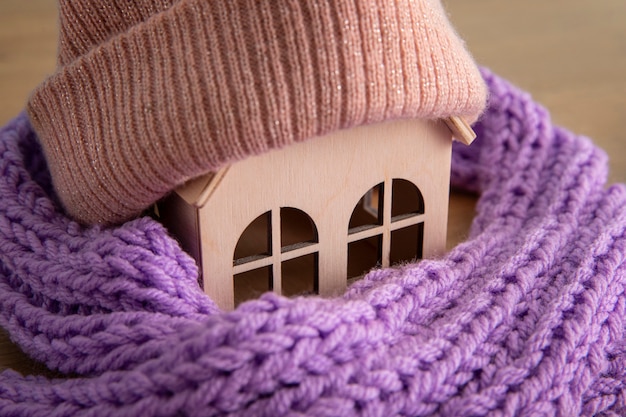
column 526, row 318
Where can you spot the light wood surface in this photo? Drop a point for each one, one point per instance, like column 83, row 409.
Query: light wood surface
column 570, row 55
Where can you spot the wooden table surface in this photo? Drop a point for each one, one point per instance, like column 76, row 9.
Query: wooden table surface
column 570, row 55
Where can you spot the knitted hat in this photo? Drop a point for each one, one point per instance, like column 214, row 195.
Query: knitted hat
column 151, row 93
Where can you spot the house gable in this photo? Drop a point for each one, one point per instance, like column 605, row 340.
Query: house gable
column 198, row 190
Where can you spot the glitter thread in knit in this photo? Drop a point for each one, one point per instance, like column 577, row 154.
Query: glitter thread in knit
column 151, row 93
column 525, row 318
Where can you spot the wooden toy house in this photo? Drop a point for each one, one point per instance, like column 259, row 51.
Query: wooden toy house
column 309, row 217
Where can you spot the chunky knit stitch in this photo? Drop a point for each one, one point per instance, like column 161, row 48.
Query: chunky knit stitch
column 526, row 318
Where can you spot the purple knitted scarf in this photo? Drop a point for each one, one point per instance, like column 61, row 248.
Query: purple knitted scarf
column 526, row 318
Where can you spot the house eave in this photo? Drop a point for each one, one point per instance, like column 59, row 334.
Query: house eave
column 461, row 130
column 197, row 191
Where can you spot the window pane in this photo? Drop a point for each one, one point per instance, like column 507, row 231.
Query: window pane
column 406, row 244
column 252, row 284
column 364, row 255
column 296, row 227
column 369, row 209
column 256, row 239
column 300, row 276
column 406, row 199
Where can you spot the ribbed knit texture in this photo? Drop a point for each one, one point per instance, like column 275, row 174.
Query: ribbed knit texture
column 526, row 318
column 151, row 93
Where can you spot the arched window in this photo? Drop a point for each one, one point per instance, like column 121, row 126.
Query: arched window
column 386, row 227
column 278, row 251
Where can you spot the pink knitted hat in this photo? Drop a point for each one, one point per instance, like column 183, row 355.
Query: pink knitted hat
column 151, row 93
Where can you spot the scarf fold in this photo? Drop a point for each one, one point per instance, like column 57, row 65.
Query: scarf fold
column 525, row 318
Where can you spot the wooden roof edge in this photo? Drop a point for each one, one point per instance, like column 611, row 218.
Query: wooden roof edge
column 197, row 191
column 461, row 130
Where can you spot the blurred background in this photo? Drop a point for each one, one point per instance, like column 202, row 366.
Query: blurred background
column 570, row 55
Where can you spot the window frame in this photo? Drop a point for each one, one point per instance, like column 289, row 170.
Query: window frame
column 388, row 223
column 278, row 254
